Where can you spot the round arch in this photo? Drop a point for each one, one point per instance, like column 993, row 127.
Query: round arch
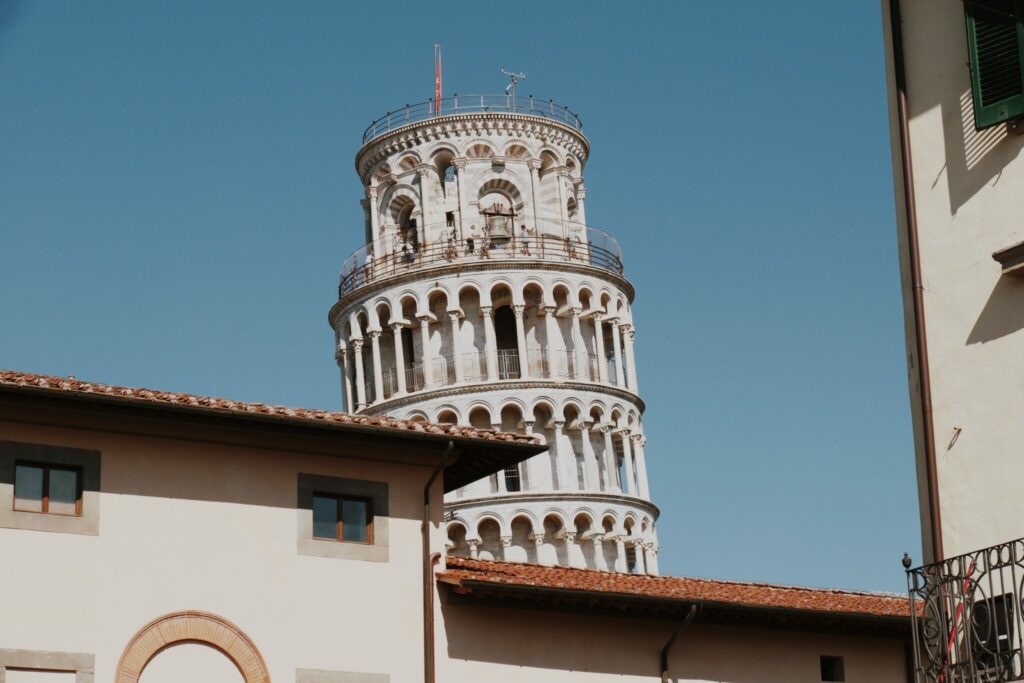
column 191, row 627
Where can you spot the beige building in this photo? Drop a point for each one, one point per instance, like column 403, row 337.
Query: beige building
column 956, row 92
column 156, row 537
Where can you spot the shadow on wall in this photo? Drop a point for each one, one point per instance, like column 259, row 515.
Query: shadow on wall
column 1002, row 314
column 167, row 469
column 629, row 645
column 974, row 158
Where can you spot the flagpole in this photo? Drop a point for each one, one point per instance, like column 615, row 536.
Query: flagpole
column 437, row 78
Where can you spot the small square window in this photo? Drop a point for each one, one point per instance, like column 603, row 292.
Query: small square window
column 48, row 489
column 341, row 518
column 832, row 669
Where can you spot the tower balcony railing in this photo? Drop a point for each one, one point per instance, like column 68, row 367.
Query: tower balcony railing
column 470, row 104
column 557, row 242
column 541, row 364
column 966, row 617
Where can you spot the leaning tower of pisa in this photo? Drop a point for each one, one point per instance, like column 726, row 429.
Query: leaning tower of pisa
column 483, row 297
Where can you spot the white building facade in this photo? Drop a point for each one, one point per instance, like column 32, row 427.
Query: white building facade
column 956, row 92
column 483, row 298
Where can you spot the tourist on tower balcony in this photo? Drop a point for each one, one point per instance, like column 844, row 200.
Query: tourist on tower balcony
column 524, row 236
column 485, row 245
column 368, row 265
column 471, row 240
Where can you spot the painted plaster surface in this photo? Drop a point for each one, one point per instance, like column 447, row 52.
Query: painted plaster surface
column 968, row 187
column 560, row 648
column 188, row 525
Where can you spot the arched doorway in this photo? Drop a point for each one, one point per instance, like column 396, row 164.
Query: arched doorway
column 196, row 628
column 191, row 662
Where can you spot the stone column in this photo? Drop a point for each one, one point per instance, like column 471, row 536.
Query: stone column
column 500, row 480
column 638, row 551
column 426, row 215
column 573, row 551
column 490, row 343
column 535, row 200
column 627, row 456
column 651, row 559
column 357, row 356
column 563, row 209
column 620, row 554
column 538, row 542
column 473, row 543
column 602, row 362
column 460, row 372
column 399, row 358
column 567, row 480
column 551, row 335
column 578, row 348
column 378, row 375
column 581, row 193
column 529, row 466
column 460, row 167
column 640, row 464
column 599, row 561
column 506, row 543
column 519, row 311
column 620, row 377
column 346, row 382
column 630, row 334
column 593, row 477
column 371, row 196
column 614, row 484
column 428, row 374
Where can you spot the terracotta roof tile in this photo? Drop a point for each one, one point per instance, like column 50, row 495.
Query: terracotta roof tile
column 468, row 573
column 75, row 386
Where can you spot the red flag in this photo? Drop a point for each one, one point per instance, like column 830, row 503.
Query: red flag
column 437, row 78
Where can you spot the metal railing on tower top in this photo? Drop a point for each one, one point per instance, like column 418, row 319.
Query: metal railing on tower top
column 391, row 255
column 469, row 104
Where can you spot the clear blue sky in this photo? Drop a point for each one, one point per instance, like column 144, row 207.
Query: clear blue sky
column 177, row 194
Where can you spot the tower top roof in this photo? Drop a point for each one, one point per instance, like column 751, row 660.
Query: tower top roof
column 472, row 104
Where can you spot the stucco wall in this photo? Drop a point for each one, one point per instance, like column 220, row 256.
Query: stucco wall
column 188, row 525
column 553, row 647
column 969, row 196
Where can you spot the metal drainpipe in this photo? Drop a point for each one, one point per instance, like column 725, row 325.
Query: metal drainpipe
column 664, row 650
column 921, row 340
column 429, row 561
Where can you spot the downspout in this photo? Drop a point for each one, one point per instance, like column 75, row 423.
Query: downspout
column 920, row 339
column 429, row 562
column 671, row 641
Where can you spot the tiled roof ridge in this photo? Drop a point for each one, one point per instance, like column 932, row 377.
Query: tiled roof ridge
column 76, row 386
column 463, row 561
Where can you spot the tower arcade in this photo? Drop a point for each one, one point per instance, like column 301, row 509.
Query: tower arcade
column 482, row 297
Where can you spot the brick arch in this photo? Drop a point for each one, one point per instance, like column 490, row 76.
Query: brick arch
column 191, row 627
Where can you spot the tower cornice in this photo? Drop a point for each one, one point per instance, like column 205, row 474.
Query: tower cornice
column 555, row 496
column 388, row 406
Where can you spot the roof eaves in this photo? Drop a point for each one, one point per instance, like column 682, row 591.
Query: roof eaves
column 674, row 604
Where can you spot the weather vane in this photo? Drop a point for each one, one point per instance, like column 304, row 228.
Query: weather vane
column 514, row 78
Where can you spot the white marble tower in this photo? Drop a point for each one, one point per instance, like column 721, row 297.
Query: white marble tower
column 483, row 297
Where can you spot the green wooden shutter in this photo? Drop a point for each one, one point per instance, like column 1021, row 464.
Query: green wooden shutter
column 995, row 39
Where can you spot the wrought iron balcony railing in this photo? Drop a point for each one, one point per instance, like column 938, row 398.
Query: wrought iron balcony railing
column 468, row 104
column 966, row 616
column 389, row 256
